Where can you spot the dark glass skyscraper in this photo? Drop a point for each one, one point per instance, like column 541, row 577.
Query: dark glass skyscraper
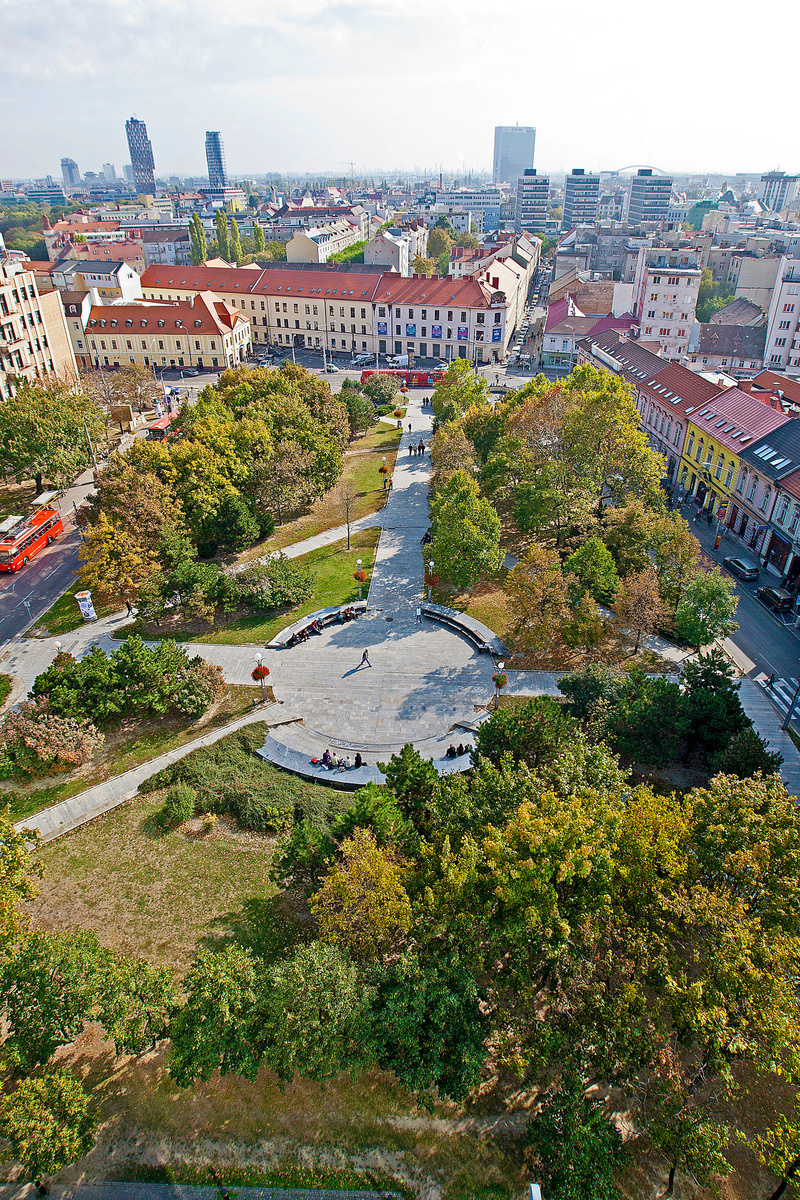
column 141, row 157
column 215, row 157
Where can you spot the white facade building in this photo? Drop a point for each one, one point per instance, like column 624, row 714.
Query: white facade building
column 665, row 289
column 782, row 349
column 531, row 210
column 513, row 151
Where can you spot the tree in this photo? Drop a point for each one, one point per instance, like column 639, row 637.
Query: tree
column 381, row 389
column 48, row 1123
column 132, row 384
column 136, row 1003
column 428, row 1026
column 362, row 904
column 315, row 1009
column 198, row 251
column 468, row 241
column 18, row 870
column 113, row 565
column 276, row 251
column 43, row 433
column 258, row 238
column 439, row 243
column 423, row 266
column 593, row 567
column 533, row 732
column 711, row 296
column 706, row 609
column 638, row 607
column 223, row 243
column 572, row 1147
column 235, row 242
column 746, row 753
column 466, row 532
column 413, row 779
column 451, row 451
column 137, row 502
column 360, row 411
column 235, row 525
column 537, row 597
column 218, row 1028
column 458, row 390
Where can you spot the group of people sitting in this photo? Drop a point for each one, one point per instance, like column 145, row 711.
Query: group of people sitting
column 315, row 626
column 334, row 763
column 453, row 752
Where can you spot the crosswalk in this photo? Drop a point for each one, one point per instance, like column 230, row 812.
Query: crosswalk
column 781, row 692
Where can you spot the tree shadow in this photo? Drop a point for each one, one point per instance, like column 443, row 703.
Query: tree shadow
column 271, row 928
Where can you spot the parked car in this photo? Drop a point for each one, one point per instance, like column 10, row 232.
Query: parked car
column 742, row 568
column 775, row 598
column 190, row 371
column 330, row 368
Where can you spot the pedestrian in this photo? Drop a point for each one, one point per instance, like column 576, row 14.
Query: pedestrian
column 129, row 607
column 365, row 660
column 771, row 681
column 709, row 516
column 421, row 447
column 419, row 615
column 409, row 427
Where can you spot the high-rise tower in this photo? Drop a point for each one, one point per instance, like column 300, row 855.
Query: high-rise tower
column 215, row 157
column 141, row 156
column 513, row 152
column 70, row 173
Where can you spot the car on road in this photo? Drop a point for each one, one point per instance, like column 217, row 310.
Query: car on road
column 189, row 371
column 775, row 598
column 361, row 360
column 742, row 568
column 264, row 362
column 330, row 368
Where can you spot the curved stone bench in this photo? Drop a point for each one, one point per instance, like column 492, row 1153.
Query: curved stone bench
column 278, row 754
column 478, row 633
column 325, row 616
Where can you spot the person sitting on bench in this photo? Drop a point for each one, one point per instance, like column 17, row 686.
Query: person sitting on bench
column 359, row 762
column 451, row 752
column 326, row 758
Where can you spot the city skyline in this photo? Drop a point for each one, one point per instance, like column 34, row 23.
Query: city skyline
column 314, row 91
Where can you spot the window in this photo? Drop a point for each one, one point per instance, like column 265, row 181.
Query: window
column 765, row 499
column 341, row 310
column 381, row 310
column 720, row 465
column 699, row 454
column 753, row 488
column 788, row 308
column 780, row 341
column 652, row 312
column 436, row 314
column 450, row 314
column 795, row 519
column 783, row 510
column 785, row 325
column 663, row 332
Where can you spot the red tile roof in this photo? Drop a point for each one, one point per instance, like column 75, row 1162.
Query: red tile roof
column 734, row 418
column 772, row 381
column 179, row 317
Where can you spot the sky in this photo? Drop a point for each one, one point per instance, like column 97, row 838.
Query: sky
column 393, row 85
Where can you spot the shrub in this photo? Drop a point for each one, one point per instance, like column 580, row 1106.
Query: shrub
column 6, row 684
column 179, row 805
column 381, row 389
column 277, row 583
column 533, row 732
column 37, row 740
column 384, row 410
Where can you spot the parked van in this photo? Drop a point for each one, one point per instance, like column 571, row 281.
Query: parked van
column 399, row 360
column 360, row 360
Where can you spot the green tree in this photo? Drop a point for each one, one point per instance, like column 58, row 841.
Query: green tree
column 276, row 251
column 136, row 1003
column 381, row 389
column 593, row 567
column 114, row 564
column 439, row 243
column 43, row 433
column 217, row 1028
column 223, row 242
column 428, row 1026
column 362, row 904
column 235, row 525
column 572, row 1148
column 458, row 390
column 235, row 242
column 534, row 732
column 258, row 238
column 638, row 606
column 198, row 250
column 413, row 779
column 18, row 871
column 537, row 598
column 423, row 266
column 360, row 411
column 315, row 1008
column 468, row 241
column 711, row 296
column 706, row 609
column 48, row 1122
column 466, row 532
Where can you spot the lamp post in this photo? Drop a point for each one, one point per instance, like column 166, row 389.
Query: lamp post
column 430, row 578
column 261, row 678
column 500, row 667
column 358, row 569
column 58, row 648
column 384, row 471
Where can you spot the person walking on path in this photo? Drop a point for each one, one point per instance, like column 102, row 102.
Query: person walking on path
column 419, row 615
column 389, row 486
column 421, row 446
column 409, row 427
column 365, row 660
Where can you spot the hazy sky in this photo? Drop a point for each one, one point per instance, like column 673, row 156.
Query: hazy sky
column 309, row 85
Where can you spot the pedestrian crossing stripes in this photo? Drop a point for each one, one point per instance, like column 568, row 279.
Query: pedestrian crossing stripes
column 781, row 692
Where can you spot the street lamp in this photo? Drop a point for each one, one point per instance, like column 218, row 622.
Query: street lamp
column 499, row 671
column 261, row 675
column 358, row 571
column 384, row 471
column 430, row 578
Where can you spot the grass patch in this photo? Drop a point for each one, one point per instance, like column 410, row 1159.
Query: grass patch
column 334, row 566
column 132, row 743
column 64, row 616
column 6, row 684
column 361, row 462
column 288, row 1175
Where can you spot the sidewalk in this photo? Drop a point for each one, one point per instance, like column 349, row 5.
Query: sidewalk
column 62, row 818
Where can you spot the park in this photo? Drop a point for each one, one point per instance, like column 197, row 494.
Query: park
column 429, row 973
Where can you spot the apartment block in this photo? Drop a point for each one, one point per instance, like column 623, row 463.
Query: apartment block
column 665, row 290
column 650, row 197
column 34, row 340
column 581, row 195
column 532, row 194
column 782, row 349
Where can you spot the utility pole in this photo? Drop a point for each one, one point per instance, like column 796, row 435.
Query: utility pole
column 89, row 440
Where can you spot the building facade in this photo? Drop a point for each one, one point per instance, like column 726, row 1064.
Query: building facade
column 782, row 349
column 203, row 332
column 34, row 339
column 514, row 147
column 581, row 194
column 215, row 157
column 777, row 190
column 70, row 174
column 113, row 280
column 530, row 213
column 141, row 152
column 649, row 199
column 665, row 289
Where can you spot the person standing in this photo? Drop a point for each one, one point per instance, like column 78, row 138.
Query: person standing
column 419, row 615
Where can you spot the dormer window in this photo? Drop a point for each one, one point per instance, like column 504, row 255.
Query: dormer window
column 198, row 324
column 128, row 323
column 143, row 324
column 161, row 323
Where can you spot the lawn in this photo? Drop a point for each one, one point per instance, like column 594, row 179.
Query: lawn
column 131, row 744
column 362, row 461
column 334, row 566
column 64, row 615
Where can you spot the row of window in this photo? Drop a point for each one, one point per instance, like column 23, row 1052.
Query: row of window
column 129, row 344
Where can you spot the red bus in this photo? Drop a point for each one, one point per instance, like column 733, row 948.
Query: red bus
column 160, row 430
column 408, row 377
column 28, row 536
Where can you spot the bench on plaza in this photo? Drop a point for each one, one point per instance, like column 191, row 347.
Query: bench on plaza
column 475, row 631
column 278, row 754
column 325, row 616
